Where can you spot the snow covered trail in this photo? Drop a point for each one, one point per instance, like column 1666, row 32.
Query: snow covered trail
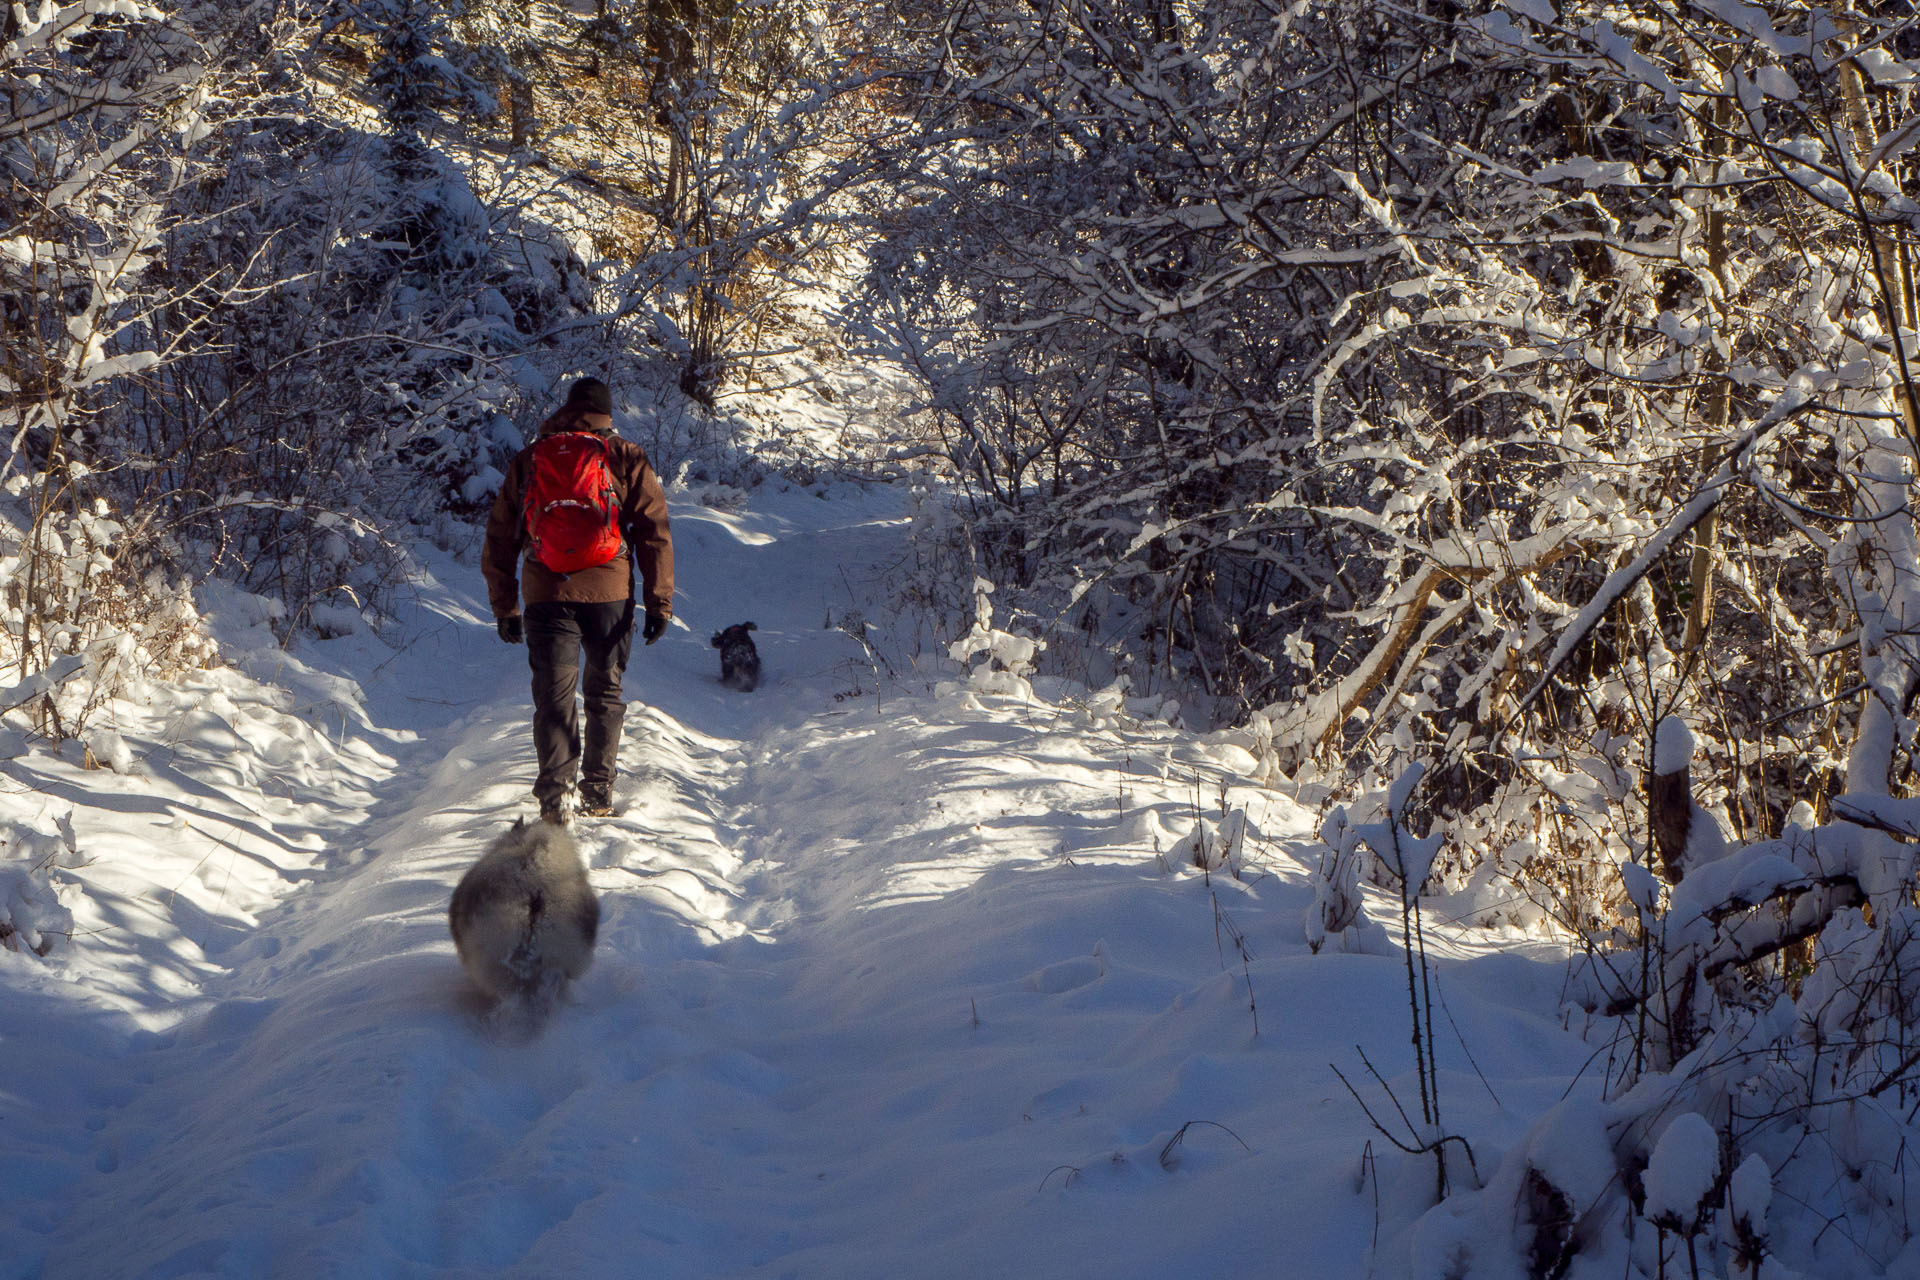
column 887, row 985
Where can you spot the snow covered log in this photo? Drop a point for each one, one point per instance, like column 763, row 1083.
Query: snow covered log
column 1738, row 911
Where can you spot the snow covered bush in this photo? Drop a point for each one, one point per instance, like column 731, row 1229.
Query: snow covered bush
column 1006, row 659
column 32, row 918
column 1338, row 913
column 1211, row 845
column 1682, row 1171
column 107, row 107
column 1761, row 1013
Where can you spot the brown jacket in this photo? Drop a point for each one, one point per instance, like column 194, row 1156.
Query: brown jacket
column 643, row 532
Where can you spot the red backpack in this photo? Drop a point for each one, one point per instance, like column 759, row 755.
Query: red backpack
column 572, row 511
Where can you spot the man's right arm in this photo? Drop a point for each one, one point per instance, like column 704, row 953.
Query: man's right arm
column 500, row 555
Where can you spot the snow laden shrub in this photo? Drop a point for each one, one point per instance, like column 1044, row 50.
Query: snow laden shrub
column 89, row 609
column 1764, row 981
column 1559, row 1204
column 1216, row 845
column 107, row 106
column 1006, row 660
column 1338, row 915
column 1682, row 1171
column 356, row 398
column 721, row 140
column 751, row 123
column 1758, row 1027
column 1689, row 532
column 1635, row 495
column 32, row 918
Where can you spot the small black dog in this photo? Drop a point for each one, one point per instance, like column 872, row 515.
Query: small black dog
column 739, row 660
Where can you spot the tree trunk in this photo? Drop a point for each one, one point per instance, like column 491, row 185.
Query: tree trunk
column 1670, row 815
column 520, row 109
column 1719, row 407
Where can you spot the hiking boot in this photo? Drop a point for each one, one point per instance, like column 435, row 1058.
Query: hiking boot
column 556, row 813
column 596, row 804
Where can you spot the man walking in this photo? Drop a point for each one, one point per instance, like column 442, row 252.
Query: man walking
column 580, row 509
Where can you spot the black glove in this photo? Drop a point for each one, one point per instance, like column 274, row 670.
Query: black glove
column 513, row 630
column 655, row 628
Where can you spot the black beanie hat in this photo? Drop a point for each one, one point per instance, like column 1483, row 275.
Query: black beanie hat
column 593, row 394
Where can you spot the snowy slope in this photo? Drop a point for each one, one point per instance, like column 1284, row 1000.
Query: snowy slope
column 895, row 982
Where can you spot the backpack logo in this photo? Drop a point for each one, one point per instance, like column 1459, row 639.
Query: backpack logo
column 573, row 514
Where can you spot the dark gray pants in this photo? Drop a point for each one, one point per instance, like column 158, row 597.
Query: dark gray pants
column 557, row 636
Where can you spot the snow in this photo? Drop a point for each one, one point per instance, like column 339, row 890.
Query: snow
column 1408, row 856
column 109, row 749
column 1776, row 83
column 1896, row 814
column 1754, row 22
column 1589, row 173
column 1750, row 1191
column 1539, row 10
column 1009, row 658
column 890, row 982
column 1752, row 878
column 1571, row 1149
column 1684, row 1166
column 1672, row 746
column 1884, row 67
column 1643, row 889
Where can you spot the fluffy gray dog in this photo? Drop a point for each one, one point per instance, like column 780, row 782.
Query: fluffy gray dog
column 524, row 917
